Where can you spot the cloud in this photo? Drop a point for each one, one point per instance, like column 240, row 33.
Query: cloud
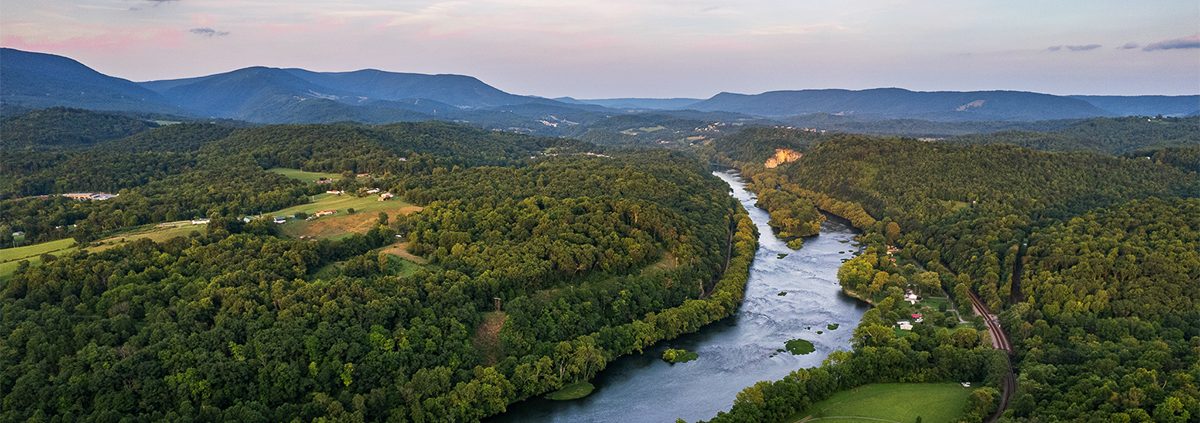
column 1074, row 48
column 1178, row 43
column 208, row 32
column 153, row 3
column 1128, row 46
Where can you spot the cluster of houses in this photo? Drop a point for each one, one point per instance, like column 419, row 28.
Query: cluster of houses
column 383, row 195
column 908, row 324
column 90, row 196
column 912, row 298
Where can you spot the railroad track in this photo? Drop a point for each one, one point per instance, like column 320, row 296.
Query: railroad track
column 1008, row 386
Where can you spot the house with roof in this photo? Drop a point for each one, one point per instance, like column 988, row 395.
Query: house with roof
column 911, row 297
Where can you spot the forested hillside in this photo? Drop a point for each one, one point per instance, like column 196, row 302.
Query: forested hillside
column 1105, row 135
column 1112, row 317
column 1090, row 258
column 588, row 257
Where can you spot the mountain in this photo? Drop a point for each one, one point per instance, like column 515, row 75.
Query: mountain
column 896, row 103
column 250, row 93
column 1145, row 105
column 458, row 90
column 38, row 80
column 635, row 103
column 264, row 94
column 268, row 95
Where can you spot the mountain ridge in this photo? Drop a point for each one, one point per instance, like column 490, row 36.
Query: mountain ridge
column 292, row 95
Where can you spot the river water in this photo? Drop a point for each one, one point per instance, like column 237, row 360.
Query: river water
column 735, row 352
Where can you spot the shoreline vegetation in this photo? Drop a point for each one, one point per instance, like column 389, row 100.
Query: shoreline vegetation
column 573, row 391
column 800, row 346
column 674, row 356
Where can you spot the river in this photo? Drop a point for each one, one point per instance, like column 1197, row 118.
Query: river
column 735, row 352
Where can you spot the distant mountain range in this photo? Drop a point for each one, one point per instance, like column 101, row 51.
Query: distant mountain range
column 1145, row 105
column 274, row 95
column 896, row 103
column 636, row 103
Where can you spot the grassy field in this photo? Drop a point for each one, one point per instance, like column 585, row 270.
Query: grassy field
column 400, row 250
column 342, row 224
column 487, row 335
column 301, row 175
column 366, row 214
column 572, row 391
column 156, row 233
column 891, row 402
column 11, row 257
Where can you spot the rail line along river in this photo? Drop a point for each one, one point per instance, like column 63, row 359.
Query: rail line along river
column 736, row 352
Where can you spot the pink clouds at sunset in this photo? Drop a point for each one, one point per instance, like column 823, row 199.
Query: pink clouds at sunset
column 643, row 48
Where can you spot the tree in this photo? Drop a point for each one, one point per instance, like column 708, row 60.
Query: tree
column 892, row 232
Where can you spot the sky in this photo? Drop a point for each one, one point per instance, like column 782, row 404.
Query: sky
column 643, row 48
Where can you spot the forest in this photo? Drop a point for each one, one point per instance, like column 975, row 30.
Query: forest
column 530, row 263
column 583, row 255
column 1118, row 136
column 1090, row 259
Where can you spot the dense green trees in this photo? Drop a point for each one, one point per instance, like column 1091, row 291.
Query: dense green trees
column 593, row 256
column 1112, row 322
column 1106, row 135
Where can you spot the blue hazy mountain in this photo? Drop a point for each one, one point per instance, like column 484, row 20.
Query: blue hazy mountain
column 1145, row 105
column 38, row 80
column 635, row 103
column 896, row 103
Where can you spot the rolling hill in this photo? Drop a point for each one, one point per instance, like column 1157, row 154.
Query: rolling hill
column 1146, row 105
column 372, row 84
column 271, row 95
column 896, row 103
column 38, row 80
column 635, row 103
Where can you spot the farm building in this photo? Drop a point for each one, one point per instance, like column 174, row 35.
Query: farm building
column 86, row 196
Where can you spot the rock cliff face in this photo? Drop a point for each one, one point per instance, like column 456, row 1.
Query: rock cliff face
column 782, row 155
